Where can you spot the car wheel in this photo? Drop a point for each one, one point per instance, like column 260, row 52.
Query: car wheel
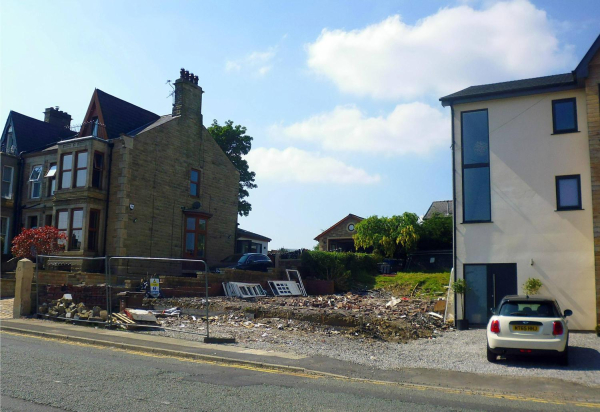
column 491, row 356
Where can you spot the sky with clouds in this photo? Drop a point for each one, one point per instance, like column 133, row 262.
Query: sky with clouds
column 340, row 97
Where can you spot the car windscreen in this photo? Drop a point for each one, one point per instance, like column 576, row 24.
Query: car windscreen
column 243, row 259
column 529, row 309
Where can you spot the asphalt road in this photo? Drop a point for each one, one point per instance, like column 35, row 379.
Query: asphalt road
column 44, row 375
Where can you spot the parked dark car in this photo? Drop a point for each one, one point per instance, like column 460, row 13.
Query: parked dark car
column 254, row 261
column 228, row 262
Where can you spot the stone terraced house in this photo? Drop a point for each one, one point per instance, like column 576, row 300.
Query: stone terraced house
column 128, row 183
column 526, row 187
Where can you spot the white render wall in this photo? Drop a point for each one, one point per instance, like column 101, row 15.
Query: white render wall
column 524, row 159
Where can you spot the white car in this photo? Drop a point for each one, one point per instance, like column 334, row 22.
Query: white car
column 528, row 325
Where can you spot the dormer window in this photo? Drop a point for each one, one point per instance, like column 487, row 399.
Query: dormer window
column 95, row 127
column 36, row 181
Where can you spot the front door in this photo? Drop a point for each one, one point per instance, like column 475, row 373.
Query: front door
column 195, row 237
column 486, row 286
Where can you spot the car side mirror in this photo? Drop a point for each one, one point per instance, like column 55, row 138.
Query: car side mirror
column 568, row 312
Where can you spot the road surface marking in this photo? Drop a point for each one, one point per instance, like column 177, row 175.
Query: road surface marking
column 315, row 374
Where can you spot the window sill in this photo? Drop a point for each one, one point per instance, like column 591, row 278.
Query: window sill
column 569, row 209
column 476, row 221
column 565, row 132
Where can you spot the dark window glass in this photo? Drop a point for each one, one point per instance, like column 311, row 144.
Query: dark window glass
column 98, row 167
column 564, row 115
column 475, row 137
column 477, row 193
column 33, row 222
column 476, row 167
column 76, row 229
column 529, row 309
column 195, row 183
column 568, row 192
column 243, row 259
column 93, row 230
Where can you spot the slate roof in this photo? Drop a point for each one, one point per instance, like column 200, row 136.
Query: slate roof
column 33, row 134
column 251, row 235
column 350, row 215
column 121, row 116
column 536, row 84
column 443, row 207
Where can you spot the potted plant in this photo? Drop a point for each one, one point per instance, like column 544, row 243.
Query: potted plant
column 460, row 288
column 532, row 286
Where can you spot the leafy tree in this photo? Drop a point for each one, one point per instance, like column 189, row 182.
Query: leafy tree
column 435, row 233
column 41, row 241
column 389, row 236
column 234, row 141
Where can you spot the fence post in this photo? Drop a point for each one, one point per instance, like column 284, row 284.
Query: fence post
column 206, row 290
column 24, row 277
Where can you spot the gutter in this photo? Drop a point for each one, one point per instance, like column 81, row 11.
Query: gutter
column 111, row 145
column 454, row 207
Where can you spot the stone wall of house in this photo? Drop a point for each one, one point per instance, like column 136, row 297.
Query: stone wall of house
column 339, row 232
column 593, row 117
column 154, row 177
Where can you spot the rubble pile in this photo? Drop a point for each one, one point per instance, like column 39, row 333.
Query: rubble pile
column 364, row 316
column 66, row 308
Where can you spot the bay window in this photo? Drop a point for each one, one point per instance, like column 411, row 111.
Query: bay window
column 81, row 169
column 66, row 170
column 7, row 181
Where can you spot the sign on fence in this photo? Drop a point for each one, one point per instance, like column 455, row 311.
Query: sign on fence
column 154, row 287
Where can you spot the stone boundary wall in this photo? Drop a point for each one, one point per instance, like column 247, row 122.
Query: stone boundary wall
column 7, row 288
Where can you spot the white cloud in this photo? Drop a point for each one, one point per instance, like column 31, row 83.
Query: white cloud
column 259, row 63
column 452, row 49
column 413, row 128
column 296, row 165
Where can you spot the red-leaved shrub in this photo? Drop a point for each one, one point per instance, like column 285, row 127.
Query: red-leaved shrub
column 42, row 241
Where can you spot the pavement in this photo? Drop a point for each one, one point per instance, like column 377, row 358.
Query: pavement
column 543, row 389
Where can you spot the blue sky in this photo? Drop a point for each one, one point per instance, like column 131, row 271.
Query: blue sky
column 341, row 97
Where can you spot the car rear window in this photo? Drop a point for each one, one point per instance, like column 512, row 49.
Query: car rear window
column 529, row 309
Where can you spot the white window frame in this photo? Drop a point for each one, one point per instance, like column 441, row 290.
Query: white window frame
column 12, row 178
column 36, row 182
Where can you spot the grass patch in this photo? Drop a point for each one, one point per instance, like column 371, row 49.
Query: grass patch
column 402, row 284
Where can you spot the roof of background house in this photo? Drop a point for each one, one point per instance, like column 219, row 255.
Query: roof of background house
column 121, row 116
column 443, row 207
column 251, row 235
column 537, row 84
column 525, row 87
column 33, row 134
column 350, row 215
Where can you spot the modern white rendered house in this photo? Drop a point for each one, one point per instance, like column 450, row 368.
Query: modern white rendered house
column 526, row 191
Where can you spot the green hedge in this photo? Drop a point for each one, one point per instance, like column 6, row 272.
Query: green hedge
column 347, row 270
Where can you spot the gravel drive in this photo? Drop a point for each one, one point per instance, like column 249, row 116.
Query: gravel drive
column 459, row 351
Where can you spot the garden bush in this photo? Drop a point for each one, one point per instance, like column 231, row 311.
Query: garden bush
column 346, row 269
column 41, row 241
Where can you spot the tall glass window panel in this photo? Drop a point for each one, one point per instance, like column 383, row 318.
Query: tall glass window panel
column 475, row 303
column 476, row 166
column 189, row 243
column 98, row 168
column 7, row 179
column 568, row 192
column 62, row 218
column 201, row 245
column 36, row 181
column 475, row 137
column 81, row 172
column 564, row 115
column 195, row 182
column 476, row 194
column 76, row 229
column 66, row 171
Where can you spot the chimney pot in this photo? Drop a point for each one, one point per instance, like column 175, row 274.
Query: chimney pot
column 181, row 73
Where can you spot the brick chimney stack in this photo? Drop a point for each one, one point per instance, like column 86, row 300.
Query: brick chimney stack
column 56, row 117
column 188, row 96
